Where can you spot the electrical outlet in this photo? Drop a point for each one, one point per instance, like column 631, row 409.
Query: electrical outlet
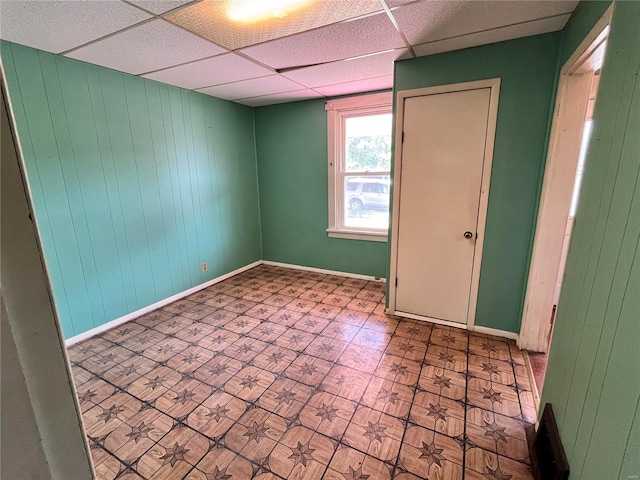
column 204, row 266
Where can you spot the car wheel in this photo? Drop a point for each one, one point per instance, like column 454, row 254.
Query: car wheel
column 355, row 205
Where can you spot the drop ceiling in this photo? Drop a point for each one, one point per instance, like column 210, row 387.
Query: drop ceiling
column 325, row 48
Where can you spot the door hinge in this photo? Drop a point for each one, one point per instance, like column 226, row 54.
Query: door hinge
column 396, row 282
column 402, row 140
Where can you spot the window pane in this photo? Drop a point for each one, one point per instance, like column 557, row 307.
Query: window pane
column 366, row 202
column 368, row 143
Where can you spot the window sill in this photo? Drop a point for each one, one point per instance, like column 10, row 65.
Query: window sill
column 357, row 235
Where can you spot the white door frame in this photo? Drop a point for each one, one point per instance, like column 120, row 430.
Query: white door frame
column 567, row 129
column 494, row 85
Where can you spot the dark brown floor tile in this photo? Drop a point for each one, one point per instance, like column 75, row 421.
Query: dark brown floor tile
column 497, row 433
column 388, row 397
column 308, row 370
column 398, row 369
column 311, row 324
column 219, row 318
column 417, row 331
column 295, row 340
column 261, row 311
column 348, row 463
column 327, row 349
column 150, row 320
column 174, row 455
column 131, row 440
column 482, row 464
column 491, row 369
column 240, row 306
column 219, row 340
column 431, row 455
column 407, row 348
column 183, row 398
column 221, row 463
column 449, row 337
column 154, row 383
column 373, row 339
column 327, row 414
column 440, row 414
column 249, row 383
column 352, row 317
column 195, row 332
column 242, row 324
column 179, row 306
column 245, row 349
column 217, row 414
column 144, row 340
column 220, row 300
column 340, row 331
column 107, row 359
column 301, row 453
column 443, row 382
column 123, row 332
column 129, row 371
column 201, row 297
column 375, row 433
column 449, row 359
column 361, row 358
column 255, row 434
column 217, row 371
column 165, row 349
column 285, row 397
column 346, row 382
column 275, row 359
column 190, row 359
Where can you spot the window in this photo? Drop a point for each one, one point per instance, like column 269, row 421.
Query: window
column 359, row 131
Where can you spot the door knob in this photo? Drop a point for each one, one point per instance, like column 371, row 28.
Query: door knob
column 468, row 235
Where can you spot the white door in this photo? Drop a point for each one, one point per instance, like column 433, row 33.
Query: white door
column 443, row 153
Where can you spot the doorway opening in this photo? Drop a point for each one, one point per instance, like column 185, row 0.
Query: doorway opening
column 568, row 147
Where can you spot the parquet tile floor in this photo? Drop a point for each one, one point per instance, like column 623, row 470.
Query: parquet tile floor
column 281, row 373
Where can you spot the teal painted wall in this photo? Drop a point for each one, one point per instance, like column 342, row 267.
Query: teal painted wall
column 593, row 375
column 135, row 184
column 291, row 141
column 527, row 68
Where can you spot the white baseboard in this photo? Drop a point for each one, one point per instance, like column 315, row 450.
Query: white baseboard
column 322, row 270
column 495, row 332
column 155, row 306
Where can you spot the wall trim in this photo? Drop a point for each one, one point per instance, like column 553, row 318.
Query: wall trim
column 322, row 270
column 495, row 332
column 138, row 313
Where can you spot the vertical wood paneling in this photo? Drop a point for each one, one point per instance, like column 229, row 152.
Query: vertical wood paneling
column 126, row 175
column 592, row 378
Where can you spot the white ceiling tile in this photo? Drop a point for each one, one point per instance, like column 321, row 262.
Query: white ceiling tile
column 346, row 70
column 252, row 88
column 279, row 98
column 211, row 19
column 151, row 46
column 160, row 6
column 58, row 26
column 427, row 21
column 526, row 29
column 370, row 34
column 366, row 85
column 212, row 71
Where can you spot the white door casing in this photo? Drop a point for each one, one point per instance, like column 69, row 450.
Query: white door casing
column 441, row 182
column 567, row 129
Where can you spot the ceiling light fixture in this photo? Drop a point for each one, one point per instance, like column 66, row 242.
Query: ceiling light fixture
column 248, row 11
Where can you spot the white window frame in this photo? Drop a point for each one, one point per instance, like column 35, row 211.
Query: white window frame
column 337, row 112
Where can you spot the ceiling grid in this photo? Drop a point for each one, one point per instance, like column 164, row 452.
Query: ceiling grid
column 323, row 48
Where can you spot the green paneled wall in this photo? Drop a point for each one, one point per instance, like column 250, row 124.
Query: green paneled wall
column 135, row 184
column 527, row 68
column 291, row 141
column 593, row 376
